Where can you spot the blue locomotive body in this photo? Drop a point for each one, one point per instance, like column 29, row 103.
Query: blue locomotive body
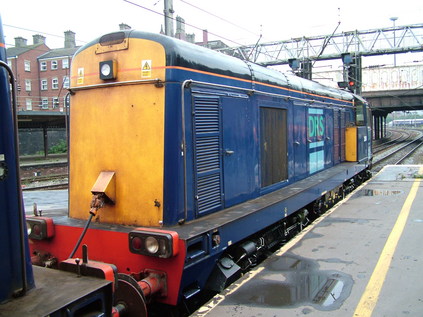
column 246, row 148
column 246, row 131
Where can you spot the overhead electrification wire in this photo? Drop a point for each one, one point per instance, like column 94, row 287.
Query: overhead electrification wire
column 220, row 18
column 191, row 25
column 38, row 32
column 34, row 31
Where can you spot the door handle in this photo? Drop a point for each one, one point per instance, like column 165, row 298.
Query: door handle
column 229, row 152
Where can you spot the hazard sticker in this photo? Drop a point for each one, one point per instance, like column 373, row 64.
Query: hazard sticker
column 80, row 79
column 146, row 68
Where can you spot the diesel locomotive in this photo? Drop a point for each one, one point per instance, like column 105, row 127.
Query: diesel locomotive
column 187, row 165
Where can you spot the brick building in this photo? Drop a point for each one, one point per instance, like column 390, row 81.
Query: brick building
column 23, row 60
column 54, row 68
column 42, row 74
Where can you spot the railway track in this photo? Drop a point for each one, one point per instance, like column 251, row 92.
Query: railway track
column 398, row 152
column 44, row 175
column 417, row 145
column 58, row 181
column 395, row 137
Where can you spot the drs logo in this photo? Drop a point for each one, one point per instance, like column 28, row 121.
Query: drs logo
column 316, row 123
column 316, row 147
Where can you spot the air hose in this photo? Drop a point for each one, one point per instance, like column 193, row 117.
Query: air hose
column 97, row 202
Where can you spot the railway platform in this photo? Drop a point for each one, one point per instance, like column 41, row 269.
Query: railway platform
column 362, row 258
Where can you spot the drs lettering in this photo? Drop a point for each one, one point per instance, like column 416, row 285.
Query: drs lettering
column 316, row 125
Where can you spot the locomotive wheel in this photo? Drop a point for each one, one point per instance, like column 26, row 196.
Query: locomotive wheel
column 129, row 293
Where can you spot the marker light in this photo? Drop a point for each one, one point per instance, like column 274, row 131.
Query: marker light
column 158, row 243
column 108, row 70
column 105, row 70
column 40, row 228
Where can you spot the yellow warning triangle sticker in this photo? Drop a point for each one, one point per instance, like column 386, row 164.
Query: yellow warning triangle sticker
column 146, row 66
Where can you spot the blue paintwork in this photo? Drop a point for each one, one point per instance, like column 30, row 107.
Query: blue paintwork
column 239, row 133
column 238, row 137
column 16, row 269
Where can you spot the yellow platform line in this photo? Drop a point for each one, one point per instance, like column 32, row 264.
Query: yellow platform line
column 371, row 294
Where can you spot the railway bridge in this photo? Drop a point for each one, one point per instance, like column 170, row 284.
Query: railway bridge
column 387, row 89
column 384, row 102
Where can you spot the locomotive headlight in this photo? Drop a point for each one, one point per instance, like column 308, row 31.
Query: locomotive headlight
column 158, row 243
column 152, row 245
column 40, row 228
column 108, row 70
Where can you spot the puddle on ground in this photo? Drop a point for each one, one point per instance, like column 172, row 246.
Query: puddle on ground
column 291, row 281
column 378, row 192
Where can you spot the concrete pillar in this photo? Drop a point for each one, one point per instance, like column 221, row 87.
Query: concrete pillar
column 384, row 127
column 376, row 127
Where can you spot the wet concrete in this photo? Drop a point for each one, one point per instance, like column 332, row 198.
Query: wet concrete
column 378, row 192
column 291, row 281
column 326, row 269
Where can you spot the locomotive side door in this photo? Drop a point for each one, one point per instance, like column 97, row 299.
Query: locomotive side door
column 329, row 137
column 238, row 150
column 300, row 140
column 337, row 136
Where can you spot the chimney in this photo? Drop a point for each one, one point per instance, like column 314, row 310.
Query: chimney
column 38, row 39
column 180, row 28
column 20, row 42
column 70, row 39
column 124, row 26
column 191, row 38
column 205, row 37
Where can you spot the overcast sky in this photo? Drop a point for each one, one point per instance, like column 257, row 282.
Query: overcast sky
column 236, row 21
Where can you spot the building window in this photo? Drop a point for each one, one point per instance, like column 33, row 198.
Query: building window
column 44, row 85
column 27, row 84
column 55, row 83
column 28, row 103
column 54, row 65
column 65, row 81
column 43, row 66
column 27, row 65
column 44, row 103
column 55, row 102
column 65, row 63
column 273, row 146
